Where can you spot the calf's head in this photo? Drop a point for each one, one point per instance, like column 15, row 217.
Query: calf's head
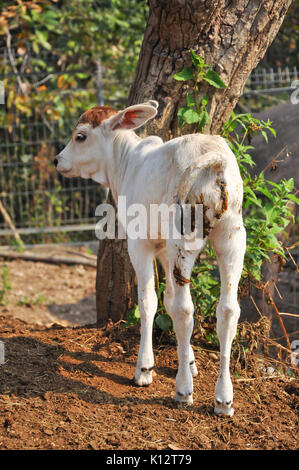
column 87, row 153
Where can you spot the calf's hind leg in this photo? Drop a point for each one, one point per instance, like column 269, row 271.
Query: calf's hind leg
column 181, row 311
column 168, row 300
column 230, row 248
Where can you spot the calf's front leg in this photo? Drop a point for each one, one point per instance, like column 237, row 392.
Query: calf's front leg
column 142, row 257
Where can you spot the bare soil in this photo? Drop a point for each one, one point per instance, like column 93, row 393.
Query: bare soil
column 47, row 293
column 67, row 384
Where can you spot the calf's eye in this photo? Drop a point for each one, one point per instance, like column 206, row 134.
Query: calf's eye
column 80, row 137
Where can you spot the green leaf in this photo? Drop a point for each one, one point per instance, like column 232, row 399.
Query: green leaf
column 271, row 213
column 188, row 116
column 161, row 289
column 133, row 316
column 42, row 39
column 191, row 116
column 82, row 75
column 273, row 241
column 197, row 60
column 190, row 101
column 254, row 201
column 181, row 112
column 277, row 186
column 164, row 322
column 275, row 229
column 213, row 79
column 205, row 100
column 184, row 75
column 264, row 134
column 204, row 119
column 289, row 184
column 293, row 198
column 267, row 193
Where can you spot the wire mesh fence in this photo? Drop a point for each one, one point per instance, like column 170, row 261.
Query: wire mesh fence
column 264, row 80
column 36, row 197
column 34, row 194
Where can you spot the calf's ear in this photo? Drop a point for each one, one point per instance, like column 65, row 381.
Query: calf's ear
column 133, row 116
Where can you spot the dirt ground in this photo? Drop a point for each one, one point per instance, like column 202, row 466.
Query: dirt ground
column 66, row 384
column 44, row 294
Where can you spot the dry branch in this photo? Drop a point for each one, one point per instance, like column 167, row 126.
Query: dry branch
column 8, row 220
column 280, row 320
column 48, row 259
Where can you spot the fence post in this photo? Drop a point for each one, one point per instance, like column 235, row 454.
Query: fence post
column 100, row 83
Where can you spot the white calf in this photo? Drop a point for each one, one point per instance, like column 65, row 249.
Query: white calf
column 198, row 169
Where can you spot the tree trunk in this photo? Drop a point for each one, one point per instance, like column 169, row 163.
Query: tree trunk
column 116, row 288
column 232, row 37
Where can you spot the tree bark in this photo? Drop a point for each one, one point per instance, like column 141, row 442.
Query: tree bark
column 231, row 36
column 116, row 287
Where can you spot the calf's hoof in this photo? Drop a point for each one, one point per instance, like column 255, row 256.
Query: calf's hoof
column 186, row 398
column 143, row 376
column 224, row 408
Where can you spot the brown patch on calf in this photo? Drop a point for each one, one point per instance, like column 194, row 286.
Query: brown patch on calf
column 223, row 196
column 206, row 223
column 207, row 226
column 180, row 280
column 96, row 115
